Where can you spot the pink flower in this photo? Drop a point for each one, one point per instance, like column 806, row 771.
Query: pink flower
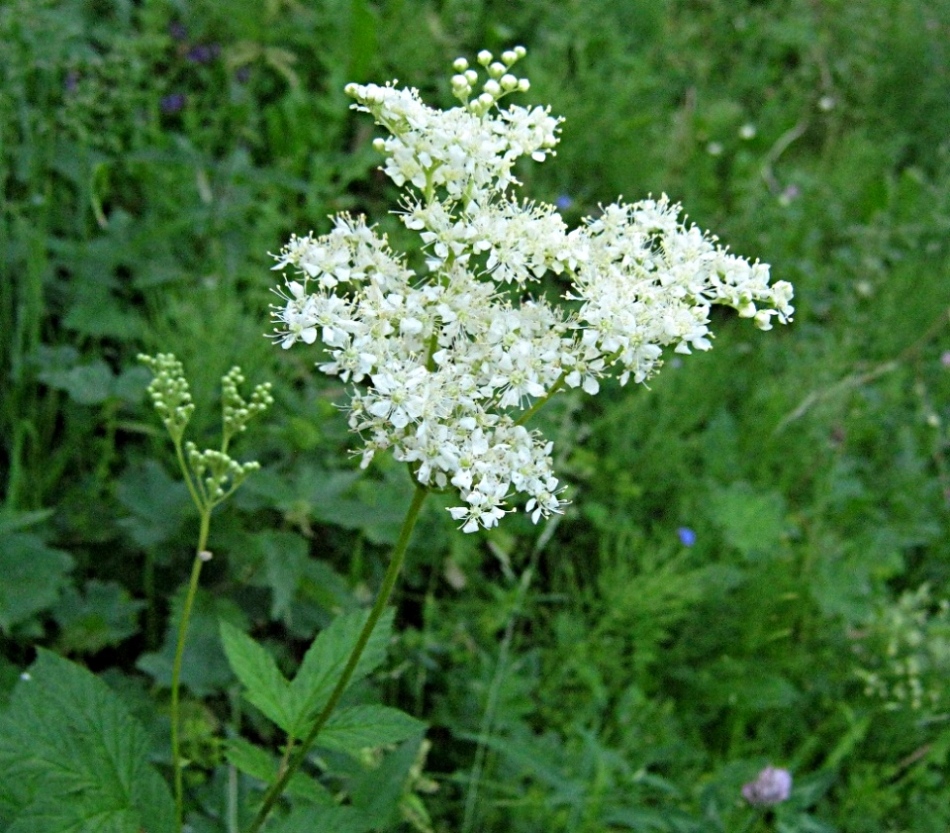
column 773, row 786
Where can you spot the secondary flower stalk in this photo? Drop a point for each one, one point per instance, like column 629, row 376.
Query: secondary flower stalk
column 211, row 476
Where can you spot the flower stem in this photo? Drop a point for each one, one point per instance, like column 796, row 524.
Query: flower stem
column 382, row 598
column 537, row 406
column 200, row 557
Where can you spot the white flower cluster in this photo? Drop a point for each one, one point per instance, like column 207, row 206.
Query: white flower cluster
column 903, row 652
column 443, row 362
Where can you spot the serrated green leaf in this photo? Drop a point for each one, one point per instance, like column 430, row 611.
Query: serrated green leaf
column 260, row 764
column 322, row 584
column 103, row 614
column 356, row 728
column 131, row 383
column 9, row 674
column 101, row 314
column 377, row 792
column 325, row 660
column 752, row 522
column 204, row 668
column 157, row 504
column 86, row 384
column 265, row 687
column 16, row 521
column 33, row 577
column 74, row 759
column 285, row 559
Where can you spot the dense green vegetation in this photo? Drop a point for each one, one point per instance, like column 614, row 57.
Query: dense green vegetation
column 755, row 566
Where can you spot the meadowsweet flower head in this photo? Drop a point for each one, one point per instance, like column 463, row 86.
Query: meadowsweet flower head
column 447, row 363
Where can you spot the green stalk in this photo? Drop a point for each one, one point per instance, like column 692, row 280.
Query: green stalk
column 201, row 555
column 559, row 383
column 537, row 406
column 382, row 598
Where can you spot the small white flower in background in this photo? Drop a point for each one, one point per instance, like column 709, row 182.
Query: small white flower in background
column 747, row 131
column 446, row 360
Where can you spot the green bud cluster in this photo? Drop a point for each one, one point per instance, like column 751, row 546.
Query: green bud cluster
column 500, row 80
column 212, row 475
column 236, row 411
column 169, row 392
column 215, row 470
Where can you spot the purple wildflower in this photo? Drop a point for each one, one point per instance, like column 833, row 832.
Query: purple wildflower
column 772, row 786
column 71, row 82
column 243, row 74
column 177, row 30
column 687, row 536
column 203, row 53
column 172, row 103
column 563, row 202
column 791, row 192
column 945, row 358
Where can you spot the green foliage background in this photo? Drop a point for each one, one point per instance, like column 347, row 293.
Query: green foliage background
column 598, row 674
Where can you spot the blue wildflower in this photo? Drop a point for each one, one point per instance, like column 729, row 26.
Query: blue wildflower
column 172, row 103
column 203, row 53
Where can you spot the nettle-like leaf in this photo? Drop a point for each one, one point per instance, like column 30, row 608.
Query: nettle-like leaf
column 265, row 687
column 204, row 668
column 86, row 384
column 33, row 577
column 379, row 791
column 103, row 614
column 284, row 558
column 293, row 705
column 359, row 727
column 157, row 504
column 324, row 662
column 74, row 759
column 752, row 522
